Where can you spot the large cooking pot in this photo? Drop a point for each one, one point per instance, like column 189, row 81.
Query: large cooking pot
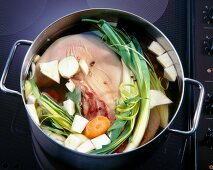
column 72, row 24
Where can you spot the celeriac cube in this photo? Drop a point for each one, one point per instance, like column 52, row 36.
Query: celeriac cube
column 158, row 98
column 82, row 137
column 86, row 147
column 84, row 67
column 79, row 123
column 32, row 112
column 156, row 48
column 101, row 140
column 50, row 69
column 170, row 73
column 69, row 106
column 72, row 142
column 68, row 67
column 70, row 85
column 165, row 60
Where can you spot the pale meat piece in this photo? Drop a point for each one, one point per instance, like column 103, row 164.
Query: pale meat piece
column 105, row 68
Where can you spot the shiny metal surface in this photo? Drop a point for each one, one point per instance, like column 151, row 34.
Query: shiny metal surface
column 56, row 30
column 197, row 110
column 7, row 66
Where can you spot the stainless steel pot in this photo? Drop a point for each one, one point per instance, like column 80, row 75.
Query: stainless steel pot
column 71, row 22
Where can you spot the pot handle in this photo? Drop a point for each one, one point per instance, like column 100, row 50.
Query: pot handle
column 7, row 66
column 197, row 111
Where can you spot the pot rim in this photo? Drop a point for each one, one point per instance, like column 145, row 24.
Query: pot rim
column 122, row 12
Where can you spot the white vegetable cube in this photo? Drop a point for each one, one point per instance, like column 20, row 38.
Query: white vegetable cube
column 170, row 73
column 86, row 147
column 72, row 142
column 32, row 112
column 158, row 98
column 84, row 67
column 101, row 140
column 69, row 106
column 68, row 67
column 165, row 60
column 82, row 137
column 50, row 69
column 156, row 48
column 31, row 99
column 70, row 85
column 79, row 123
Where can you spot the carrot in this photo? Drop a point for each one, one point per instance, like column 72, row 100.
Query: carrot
column 97, row 126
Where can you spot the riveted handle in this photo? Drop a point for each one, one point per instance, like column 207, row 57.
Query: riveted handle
column 7, row 66
column 197, row 110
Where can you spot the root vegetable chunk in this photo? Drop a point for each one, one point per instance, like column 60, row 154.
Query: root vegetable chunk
column 70, row 85
column 79, row 123
column 84, row 67
column 33, row 113
column 86, row 147
column 72, row 142
column 69, row 106
column 165, row 60
column 97, row 126
column 68, row 67
column 156, row 48
column 158, row 98
column 101, row 140
column 50, row 69
column 170, row 73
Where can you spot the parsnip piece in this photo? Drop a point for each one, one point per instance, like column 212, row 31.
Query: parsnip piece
column 50, row 69
column 82, row 137
column 170, row 73
column 68, row 67
column 31, row 99
column 158, row 98
column 36, row 58
column 33, row 68
column 72, row 142
column 101, row 140
column 84, row 66
column 70, row 85
column 32, row 112
column 164, row 115
column 165, row 60
column 152, row 127
column 27, row 88
column 69, row 106
column 79, row 123
column 156, row 48
column 86, row 147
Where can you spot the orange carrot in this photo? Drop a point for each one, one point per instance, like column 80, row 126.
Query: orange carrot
column 97, row 126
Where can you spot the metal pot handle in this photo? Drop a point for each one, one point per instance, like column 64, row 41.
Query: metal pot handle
column 197, row 111
column 7, row 66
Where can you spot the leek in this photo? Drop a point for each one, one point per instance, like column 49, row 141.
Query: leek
column 132, row 56
column 60, row 118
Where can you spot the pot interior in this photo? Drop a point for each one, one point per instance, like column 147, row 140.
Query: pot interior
column 133, row 25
